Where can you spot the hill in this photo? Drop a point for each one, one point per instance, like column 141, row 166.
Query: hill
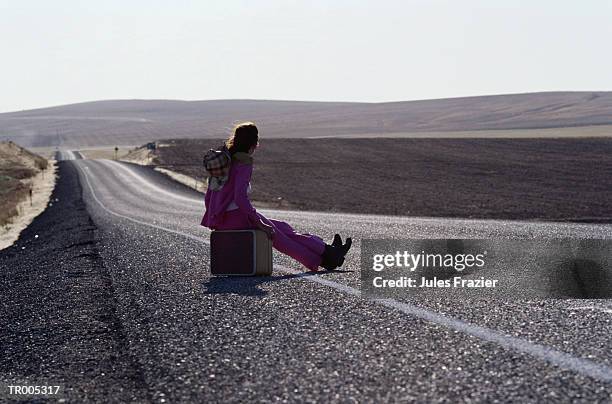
column 125, row 122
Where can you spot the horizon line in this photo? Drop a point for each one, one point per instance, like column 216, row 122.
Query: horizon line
column 304, row 101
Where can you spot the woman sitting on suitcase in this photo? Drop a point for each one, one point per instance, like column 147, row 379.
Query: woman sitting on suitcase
column 228, row 206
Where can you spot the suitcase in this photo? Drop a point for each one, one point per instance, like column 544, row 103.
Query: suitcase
column 240, row 252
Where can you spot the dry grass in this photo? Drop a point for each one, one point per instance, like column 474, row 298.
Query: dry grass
column 12, row 191
column 16, row 166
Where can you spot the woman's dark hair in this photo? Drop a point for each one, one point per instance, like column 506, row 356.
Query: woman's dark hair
column 244, row 136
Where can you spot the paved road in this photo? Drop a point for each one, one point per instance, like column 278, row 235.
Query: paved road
column 65, row 154
column 302, row 337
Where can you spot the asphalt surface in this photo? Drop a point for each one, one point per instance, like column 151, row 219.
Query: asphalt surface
column 303, row 337
column 58, row 318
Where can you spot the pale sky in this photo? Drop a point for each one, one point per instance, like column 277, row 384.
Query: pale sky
column 64, row 51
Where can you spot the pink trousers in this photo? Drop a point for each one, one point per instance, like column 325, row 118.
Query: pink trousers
column 305, row 248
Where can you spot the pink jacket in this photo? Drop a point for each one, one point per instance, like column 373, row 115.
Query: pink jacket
column 235, row 189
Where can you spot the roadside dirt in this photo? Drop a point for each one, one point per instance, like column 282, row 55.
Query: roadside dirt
column 20, row 171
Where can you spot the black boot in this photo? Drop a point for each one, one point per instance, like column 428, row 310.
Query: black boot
column 337, row 240
column 344, row 249
column 332, row 257
column 346, row 246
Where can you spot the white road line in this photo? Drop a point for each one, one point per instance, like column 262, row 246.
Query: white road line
column 607, row 310
column 93, row 194
column 563, row 360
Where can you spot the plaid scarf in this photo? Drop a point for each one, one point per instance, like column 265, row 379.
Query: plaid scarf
column 218, row 163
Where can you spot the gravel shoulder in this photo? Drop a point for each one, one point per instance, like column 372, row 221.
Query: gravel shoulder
column 58, row 316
